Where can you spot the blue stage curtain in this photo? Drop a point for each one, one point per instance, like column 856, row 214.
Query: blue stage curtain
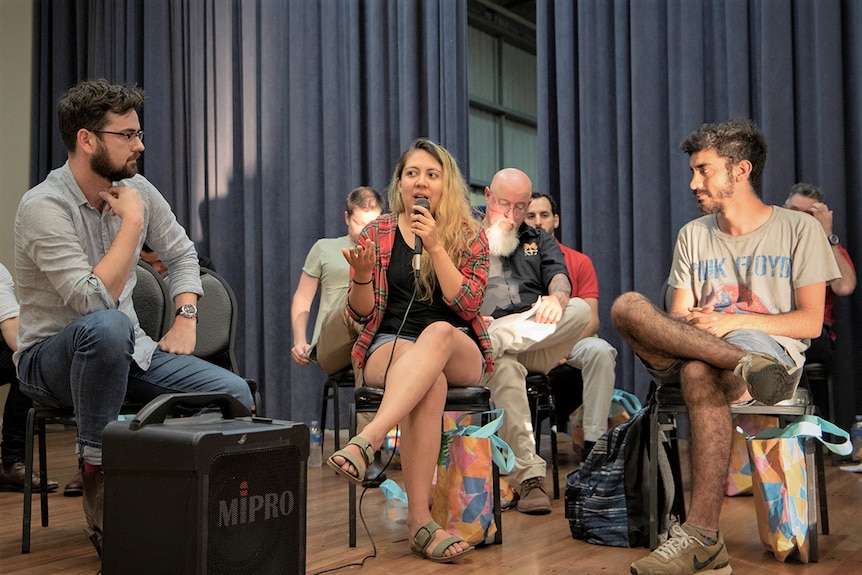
column 621, row 85
column 261, row 115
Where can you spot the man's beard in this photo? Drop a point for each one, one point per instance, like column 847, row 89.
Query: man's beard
column 100, row 163
column 502, row 238
column 716, row 204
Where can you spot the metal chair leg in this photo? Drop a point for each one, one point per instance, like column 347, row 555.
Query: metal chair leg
column 542, row 402
column 497, row 504
column 336, row 416
column 821, row 489
column 351, row 488
column 28, row 481
column 327, row 391
column 555, row 468
column 43, row 470
column 812, row 488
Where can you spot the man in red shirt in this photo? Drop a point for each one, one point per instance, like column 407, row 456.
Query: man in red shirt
column 595, row 357
column 811, row 199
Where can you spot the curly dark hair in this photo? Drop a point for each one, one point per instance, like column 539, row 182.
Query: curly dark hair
column 86, row 105
column 736, row 140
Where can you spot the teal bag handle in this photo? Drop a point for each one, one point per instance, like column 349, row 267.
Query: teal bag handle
column 486, row 430
column 811, row 426
column 629, row 401
column 501, row 453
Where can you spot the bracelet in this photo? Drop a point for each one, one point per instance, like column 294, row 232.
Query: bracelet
column 362, row 283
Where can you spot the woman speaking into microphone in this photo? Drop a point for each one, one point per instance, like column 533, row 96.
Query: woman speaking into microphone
column 423, row 332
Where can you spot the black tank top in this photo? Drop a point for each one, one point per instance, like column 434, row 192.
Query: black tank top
column 400, row 278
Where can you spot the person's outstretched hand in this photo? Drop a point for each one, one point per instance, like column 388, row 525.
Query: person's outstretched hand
column 361, row 259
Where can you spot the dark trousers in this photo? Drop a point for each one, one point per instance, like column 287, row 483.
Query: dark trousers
column 822, row 351
column 15, row 411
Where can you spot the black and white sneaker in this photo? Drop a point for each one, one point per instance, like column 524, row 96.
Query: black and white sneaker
column 768, row 380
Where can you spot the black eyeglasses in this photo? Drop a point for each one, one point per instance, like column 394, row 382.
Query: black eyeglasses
column 127, row 135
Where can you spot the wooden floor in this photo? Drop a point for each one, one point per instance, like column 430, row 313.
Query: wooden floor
column 532, row 544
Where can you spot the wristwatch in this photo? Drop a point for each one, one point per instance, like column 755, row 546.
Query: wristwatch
column 833, row 239
column 187, row 310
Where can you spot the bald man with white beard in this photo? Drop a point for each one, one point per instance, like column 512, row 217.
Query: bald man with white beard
column 527, row 269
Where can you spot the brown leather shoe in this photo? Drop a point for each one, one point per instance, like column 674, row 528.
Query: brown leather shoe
column 532, row 497
column 12, row 478
column 75, row 487
column 94, row 500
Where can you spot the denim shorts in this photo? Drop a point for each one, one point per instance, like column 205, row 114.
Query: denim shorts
column 748, row 339
column 380, row 339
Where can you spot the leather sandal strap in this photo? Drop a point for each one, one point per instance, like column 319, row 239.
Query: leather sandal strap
column 425, row 534
column 364, row 448
column 443, row 545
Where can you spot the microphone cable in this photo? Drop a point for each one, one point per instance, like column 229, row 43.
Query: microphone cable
column 373, row 554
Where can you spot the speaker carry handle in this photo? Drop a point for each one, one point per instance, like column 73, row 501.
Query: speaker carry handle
column 158, row 409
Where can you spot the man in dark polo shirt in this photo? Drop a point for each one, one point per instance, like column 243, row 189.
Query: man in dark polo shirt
column 527, row 271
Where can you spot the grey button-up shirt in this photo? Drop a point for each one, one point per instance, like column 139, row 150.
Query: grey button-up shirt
column 59, row 239
column 8, row 301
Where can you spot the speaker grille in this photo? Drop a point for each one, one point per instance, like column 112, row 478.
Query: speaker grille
column 256, row 507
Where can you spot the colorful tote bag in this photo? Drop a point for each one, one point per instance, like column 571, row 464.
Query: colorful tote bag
column 508, row 497
column 391, row 447
column 739, row 470
column 463, row 492
column 623, row 406
column 779, row 477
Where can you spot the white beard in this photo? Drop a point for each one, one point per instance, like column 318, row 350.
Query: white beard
column 502, row 238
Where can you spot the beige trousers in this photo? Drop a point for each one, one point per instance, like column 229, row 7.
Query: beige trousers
column 597, row 360
column 514, row 357
column 338, row 333
column 332, row 352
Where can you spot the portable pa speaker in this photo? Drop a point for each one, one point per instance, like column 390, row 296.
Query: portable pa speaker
column 208, row 494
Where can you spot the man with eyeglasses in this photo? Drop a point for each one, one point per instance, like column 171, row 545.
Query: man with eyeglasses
column 77, row 239
column 527, row 270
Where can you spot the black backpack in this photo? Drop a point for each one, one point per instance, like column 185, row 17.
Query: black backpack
column 607, row 499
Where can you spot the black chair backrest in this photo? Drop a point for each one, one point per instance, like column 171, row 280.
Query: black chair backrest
column 216, row 333
column 217, row 318
column 152, row 301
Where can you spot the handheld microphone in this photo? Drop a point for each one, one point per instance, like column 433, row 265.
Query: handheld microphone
column 417, row 246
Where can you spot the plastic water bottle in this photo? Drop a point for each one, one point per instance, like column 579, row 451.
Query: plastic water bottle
column 856, row 439
column 315, row 452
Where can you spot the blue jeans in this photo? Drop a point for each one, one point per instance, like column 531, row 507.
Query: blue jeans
column 89, row 366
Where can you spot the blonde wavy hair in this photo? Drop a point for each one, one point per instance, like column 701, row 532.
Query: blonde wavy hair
column 456, row 227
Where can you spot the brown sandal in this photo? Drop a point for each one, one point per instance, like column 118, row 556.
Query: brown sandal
column 365, row 450
column 425, row 536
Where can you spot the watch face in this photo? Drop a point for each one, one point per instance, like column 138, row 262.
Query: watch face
column 187, row 310
column 833, row 239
